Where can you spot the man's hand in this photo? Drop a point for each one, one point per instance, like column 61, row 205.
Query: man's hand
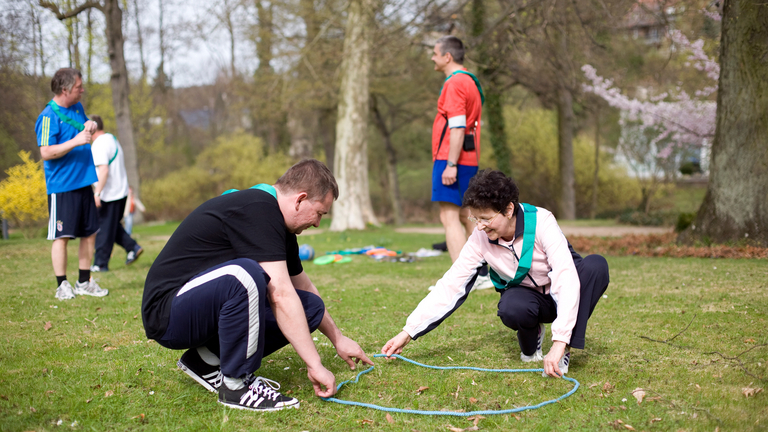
column 552, row 359
column 98, row 200
column 351, row 352
column 396, row 344
column 90, row 126
column 320, row 376
column 83, row 138
column 449, row 175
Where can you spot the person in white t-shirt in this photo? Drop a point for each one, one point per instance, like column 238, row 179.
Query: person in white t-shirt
column 111, row 194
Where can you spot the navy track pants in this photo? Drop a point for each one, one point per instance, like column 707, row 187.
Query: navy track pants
column 225, row 309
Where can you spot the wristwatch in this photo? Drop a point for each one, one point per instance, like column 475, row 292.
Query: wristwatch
column 451, row 164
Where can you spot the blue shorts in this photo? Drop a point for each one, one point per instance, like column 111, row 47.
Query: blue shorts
column 72, row 214
column 455, row 192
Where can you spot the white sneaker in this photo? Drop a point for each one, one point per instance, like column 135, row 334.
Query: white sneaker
column 482, row 282
column 563, row 363
column 90, row 288
column 64, row 291
column 539, row 354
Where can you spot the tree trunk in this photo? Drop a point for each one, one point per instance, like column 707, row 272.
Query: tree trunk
column 493, row 110
column 596, row 177
column 121, row 91
column 565, row 144
column 353, row 208
column 392, row 181
column 736, row 204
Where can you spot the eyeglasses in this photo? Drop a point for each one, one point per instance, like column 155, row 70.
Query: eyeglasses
column 485, row 222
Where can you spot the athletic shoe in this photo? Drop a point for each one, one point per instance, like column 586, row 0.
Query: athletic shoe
column 98, row 269
column 134, row 255
column 482, row 282
column 207, row 375
column 442, row 246
column 563, row 363
column 260, row 395
column 539, row 354
column 90, row 288
column 64, row 291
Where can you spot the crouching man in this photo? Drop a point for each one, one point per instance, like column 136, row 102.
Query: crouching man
column 229, row 288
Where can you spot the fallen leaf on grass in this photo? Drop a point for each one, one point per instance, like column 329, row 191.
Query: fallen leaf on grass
column 654, row 420
column 390, row 420
column 32, row 409
column 639, row 394
column 366, row 421
column 517, row 417
column 475, row 419
column 654, row 399
column 749, row 340
column 142, row 418
column 750, row 391
column 89, row 400
column 472, row 400
column 47, row 325
column 455, row 429
column 629, row 427
column 110, row 348
column 108, row 393
column 421, row 389
column 607, row 386
column 616, row 424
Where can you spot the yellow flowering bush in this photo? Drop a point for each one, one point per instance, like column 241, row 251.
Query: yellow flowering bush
column 23, row 198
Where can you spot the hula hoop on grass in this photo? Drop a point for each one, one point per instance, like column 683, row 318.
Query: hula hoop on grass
column 450, row 413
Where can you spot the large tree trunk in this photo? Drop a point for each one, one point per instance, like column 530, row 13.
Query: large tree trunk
column 121, row 91
column 736, row 204
column 493, row 110
column 565, row 144
column 353, row 208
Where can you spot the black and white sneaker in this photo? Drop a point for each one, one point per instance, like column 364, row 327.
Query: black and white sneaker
column 208, row 376
column 260, row 395
column 565, row 360
column 539, row 354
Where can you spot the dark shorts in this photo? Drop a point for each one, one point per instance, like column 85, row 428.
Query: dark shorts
column 455, row 192
column 72, row 214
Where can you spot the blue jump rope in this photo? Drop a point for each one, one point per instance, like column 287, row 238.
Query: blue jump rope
column 449, row 413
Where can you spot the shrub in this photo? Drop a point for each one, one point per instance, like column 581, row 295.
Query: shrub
column 23, row 197
column 235, row 161
column 684, row 220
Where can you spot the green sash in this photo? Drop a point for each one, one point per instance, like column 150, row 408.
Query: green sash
column 64, row 118
column 474, row 78
column 526, row 257
column 117, row 150
column 262, row 186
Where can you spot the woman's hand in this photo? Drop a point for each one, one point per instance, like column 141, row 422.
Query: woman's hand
column 552, row 359
column 396, row 344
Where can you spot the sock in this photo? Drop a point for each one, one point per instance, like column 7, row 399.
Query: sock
column 234, row 383
column 60, row 279
column 207, row 356
column 483, row 270
column 85, row 275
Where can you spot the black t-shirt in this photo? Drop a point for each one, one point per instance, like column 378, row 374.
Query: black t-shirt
column 244, row 224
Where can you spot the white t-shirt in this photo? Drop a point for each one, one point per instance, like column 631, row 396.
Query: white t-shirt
column 103, row 149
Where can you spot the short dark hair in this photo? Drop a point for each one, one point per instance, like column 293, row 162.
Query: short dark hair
column 491, row 189
column 99, row 122
column 310, row 176
column 64, row 79
column 453, row 45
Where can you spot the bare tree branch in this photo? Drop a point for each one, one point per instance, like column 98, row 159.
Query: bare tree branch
column 53, row 7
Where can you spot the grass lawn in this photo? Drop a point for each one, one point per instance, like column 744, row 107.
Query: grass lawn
column 86, row 363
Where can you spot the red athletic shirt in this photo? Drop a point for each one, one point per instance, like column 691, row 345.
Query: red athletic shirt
column 460, row 102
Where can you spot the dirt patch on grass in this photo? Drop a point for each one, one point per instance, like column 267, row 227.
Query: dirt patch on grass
column 659, row 245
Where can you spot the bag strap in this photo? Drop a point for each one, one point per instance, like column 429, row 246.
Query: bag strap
column 474, row 78
column 262, row 186
column 75, row 124
column 117, row 150
column 526, row 257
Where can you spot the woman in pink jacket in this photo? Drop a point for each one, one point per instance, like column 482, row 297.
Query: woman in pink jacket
column 539, row 276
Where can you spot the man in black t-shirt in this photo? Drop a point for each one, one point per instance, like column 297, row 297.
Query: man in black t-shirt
column 229, row 288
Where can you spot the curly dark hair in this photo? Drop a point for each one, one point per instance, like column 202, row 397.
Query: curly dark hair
column 491, row 189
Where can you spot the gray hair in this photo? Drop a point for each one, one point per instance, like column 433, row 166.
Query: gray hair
column 64, row 79
column 453, row 45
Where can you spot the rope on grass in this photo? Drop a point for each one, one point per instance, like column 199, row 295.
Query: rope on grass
column 450, row 413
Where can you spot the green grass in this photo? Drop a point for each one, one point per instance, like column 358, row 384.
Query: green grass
column 95, row 367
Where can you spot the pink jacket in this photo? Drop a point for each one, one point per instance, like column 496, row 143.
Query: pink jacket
column 552, row 269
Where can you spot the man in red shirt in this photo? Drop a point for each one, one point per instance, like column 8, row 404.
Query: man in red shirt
column 456, row 153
